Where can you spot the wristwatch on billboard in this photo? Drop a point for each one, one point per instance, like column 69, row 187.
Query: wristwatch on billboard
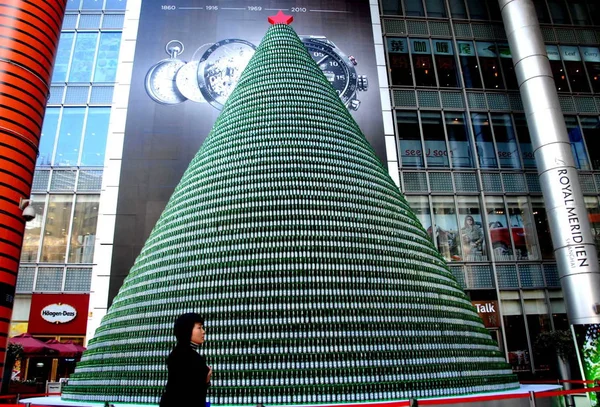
column 338, row 68
column 220, row 68
column 160, row 79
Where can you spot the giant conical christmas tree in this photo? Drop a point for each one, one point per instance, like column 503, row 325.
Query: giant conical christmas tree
column 317, row 282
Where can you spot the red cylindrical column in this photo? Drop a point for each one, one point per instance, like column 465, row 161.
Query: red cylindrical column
column 29, row 33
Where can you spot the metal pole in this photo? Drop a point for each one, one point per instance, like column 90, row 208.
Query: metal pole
column 572, row 239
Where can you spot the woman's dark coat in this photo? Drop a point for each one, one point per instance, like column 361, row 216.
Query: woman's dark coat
column 186, row 384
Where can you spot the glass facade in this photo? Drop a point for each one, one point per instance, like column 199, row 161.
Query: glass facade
column 58, row 245
column 467, row 165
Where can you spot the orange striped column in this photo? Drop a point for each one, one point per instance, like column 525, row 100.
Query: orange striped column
column 29, row 33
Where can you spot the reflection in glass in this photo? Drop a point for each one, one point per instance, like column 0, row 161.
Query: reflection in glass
column 558, row 72
column 591, row 133
column 400, row 69
column 542, row 11
column 414, row 8
column 393, row 7
column 422, row 62
column 516, row 339
column 457, row 9
column 524, row 141
column 490, row 65
column 522, row 227
column 69, row 136
column 83, row 234
column 577, row 145
column 108, row 56
column 445, row 229
column 469, row 64
column 435, row 8
column 83, row 57
column 477, row 10
column 458, row 140
column 498, row 226
column 593, row 210
column 54, row 242
column 92, row 4
column 484, row 142
column 73, row 4
column 575, row 71
column 446, row 64
column 508, row 68
column 409, row 135
column 579, row 12
column 420, row 207
column 48, row 137
column 471, row 231
column 96, row 132
column 63, row 56
column 558, row 11
column 538, row 324
column 115, row 4
column 506, row 143
column 435, row 140
column 591, row 56
column 542, row 228
column 33, row 229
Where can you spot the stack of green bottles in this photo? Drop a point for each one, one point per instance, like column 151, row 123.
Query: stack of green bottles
column 317, row 282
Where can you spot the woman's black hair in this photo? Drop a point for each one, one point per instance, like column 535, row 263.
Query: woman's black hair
column 184, row 326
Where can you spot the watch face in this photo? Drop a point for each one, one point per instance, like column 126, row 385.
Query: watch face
column 160, row 82
column 335, row 65
column 187, row 82
column 220, row 69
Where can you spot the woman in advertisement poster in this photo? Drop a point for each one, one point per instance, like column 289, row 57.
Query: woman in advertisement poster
column 472, row 238
column 189, row 375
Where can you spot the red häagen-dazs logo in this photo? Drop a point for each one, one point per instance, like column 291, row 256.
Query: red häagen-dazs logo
column 59, row 313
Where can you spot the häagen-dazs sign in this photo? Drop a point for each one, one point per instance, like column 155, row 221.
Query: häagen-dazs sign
column 58, row 313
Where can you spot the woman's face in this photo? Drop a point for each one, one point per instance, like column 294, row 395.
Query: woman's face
column 469, row 221
column 198, row 334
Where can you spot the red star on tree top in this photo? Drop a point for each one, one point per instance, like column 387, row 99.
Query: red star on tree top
column 281, row 18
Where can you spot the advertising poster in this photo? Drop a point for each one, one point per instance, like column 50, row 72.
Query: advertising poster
column 188, row 58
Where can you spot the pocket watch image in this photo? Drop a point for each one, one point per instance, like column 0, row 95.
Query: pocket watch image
column 338, row 68
column 187, row 77
column 220, row 68
column 160, row 79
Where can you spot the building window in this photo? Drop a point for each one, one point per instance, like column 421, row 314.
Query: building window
column 56, row 229
column 422, row 62
column 477, row 10
column 472, row 235
column 579, row 12
column 92, row 4
column 445, row 63
column 445, row 230
column 414, row 8
column 558, row 71
column 469, row 64
column 411, row 149
column 400, row 69
column 83, row 57
column 458, row 9
column 420, row 207
column 69, row 136
column 591, row 57
column 33, row 230
column 591, row 132
column 543, row 230
column 559, row 12
column 524, row 141
column 508, row 68
column 593, row 210
column 516, row 334
column 506, row 142
column 522, row 226
column 48, row 136
column 83, row 234
column 574, row 67
column 542, row 11
column 458, row 140
column 501, row 241
column 436, row 8
column 490, row 65
column 484, row 141
column 392, row 7
column 63, row 56
column 577, row 145
column 115, row 4
column 436, row 151
column 108, row 56
column 96, row 133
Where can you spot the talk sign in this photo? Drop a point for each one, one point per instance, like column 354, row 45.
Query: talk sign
column 488, row 311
